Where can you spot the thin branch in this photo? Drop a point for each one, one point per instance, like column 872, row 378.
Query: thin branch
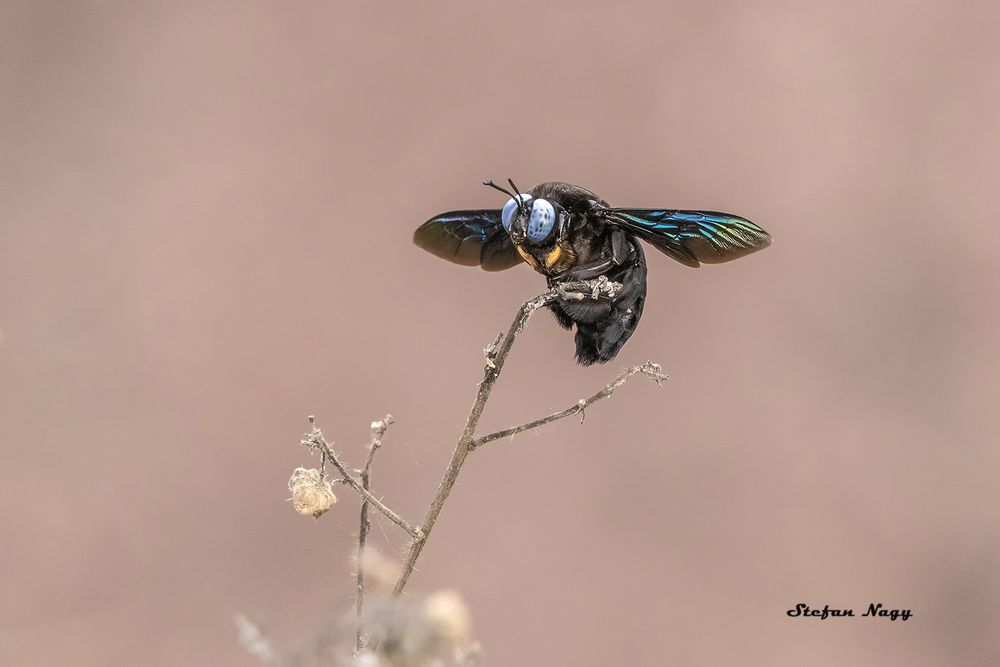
column 649, row 369
column 314, row 439
column 378, row 430
column 496, row 355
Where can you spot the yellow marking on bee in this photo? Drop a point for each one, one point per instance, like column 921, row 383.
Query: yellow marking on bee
column 527, row 257
column 553, row 257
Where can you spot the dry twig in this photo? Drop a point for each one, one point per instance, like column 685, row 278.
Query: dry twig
column 379, row 626
column 496, row 355
column 315, row 440
column 378, row 430
column 649, row 369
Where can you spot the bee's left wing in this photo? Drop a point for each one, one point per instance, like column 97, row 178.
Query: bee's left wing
column 469, row 238
column 691, row 237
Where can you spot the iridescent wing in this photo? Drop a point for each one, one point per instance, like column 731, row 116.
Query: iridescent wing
column 469, row 238
column 691, row 237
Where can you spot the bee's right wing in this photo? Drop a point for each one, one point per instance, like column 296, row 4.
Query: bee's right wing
column 691, row 237
column 469, row 238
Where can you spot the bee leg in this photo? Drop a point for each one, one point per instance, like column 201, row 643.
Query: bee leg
column 599, row 342
column 599, row 339
column 567, row 312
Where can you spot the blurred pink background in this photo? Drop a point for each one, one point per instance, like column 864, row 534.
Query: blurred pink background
column 205, row 223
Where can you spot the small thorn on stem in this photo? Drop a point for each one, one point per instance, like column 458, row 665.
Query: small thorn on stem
column 490, row 351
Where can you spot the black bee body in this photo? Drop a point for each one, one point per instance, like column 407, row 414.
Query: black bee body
column 596, row 249
column 602, row 327
column 567, row 233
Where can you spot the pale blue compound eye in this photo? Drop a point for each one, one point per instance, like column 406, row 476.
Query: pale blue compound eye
column 508, row 210
column 543, row 219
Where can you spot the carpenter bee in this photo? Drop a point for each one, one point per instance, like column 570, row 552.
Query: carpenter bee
column 568, row 233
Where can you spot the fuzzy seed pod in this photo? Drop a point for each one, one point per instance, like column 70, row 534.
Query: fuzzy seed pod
column 310, row 493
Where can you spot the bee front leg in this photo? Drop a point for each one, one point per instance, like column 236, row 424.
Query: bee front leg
column 568, row 311
column 598, row 340
column 587, row 271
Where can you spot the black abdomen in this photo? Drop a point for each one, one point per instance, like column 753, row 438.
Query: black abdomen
column 603, row 327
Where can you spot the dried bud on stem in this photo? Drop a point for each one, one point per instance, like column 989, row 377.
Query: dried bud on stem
column 311, row 494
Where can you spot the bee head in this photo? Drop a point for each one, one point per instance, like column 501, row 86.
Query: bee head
column 530, row 219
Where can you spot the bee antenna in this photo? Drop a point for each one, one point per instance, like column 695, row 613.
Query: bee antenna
column 516, row 198
column 518, row 194
column 497, row 187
